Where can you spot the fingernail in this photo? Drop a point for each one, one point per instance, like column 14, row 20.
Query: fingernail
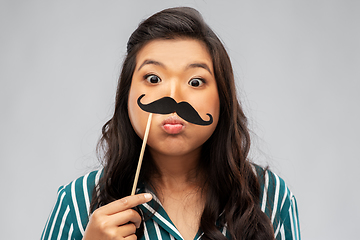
column 148, row 196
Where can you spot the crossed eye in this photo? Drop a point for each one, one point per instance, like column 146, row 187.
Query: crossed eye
column 195, row 82
column 153, row 78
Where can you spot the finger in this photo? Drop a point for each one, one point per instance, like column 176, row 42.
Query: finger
column 126, row 203
column 126, row 230
column 124, row 217
column 131, row 237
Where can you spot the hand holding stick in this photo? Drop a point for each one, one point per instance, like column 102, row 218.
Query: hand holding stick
column 141, row 154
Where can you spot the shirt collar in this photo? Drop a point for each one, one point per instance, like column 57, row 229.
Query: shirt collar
column 154, row 211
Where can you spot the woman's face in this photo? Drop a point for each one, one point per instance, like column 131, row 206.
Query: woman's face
column 181, row 69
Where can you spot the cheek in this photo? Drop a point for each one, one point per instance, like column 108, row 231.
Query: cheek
column 212, row 104
column 207, row 103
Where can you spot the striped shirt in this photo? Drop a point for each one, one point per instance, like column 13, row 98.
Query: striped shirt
column 70, row 214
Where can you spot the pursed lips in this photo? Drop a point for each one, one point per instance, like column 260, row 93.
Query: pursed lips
column 173, row 125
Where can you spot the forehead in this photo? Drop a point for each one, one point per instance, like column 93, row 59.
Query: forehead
column 175, row 52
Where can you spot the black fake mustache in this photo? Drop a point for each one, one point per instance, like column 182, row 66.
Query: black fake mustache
column 167, row 105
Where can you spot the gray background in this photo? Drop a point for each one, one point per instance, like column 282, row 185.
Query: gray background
column 297, row 69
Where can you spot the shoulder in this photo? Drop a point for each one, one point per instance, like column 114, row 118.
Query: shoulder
column 275, row 194
column 70, row 214
column 278, row 203
column 82, row 187
column 79, row 193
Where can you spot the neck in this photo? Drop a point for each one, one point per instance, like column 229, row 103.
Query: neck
column 176, row 172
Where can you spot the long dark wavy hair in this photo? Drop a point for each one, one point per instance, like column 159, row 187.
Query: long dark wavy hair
column 232, row 188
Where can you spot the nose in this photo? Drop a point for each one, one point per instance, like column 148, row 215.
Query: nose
column 175, row 90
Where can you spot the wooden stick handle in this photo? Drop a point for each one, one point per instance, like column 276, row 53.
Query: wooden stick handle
column 141, row 154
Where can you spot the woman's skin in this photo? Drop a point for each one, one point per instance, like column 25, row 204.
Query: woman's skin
column 181, row 69
column 116, row 220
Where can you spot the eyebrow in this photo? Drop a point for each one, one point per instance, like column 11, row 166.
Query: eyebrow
column 192, row 65
column 149, row 61
column 200, row 65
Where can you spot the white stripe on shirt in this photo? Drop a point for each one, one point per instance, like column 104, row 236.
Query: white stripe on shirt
column 292, row 223
column 263, row 204
column 277, row 189
column 146, row 234
column 161, row 218
column 282, row 232
column 52, row 210
column 77, row 213
column 71, row 231
column 224, row 230
column 284, row 197
column 86, row 194
column 63, row 222
column 56, row 215
column 97, row 178
column 157, row 229
column 293, row 207
column 277, row 229
column 200, row 236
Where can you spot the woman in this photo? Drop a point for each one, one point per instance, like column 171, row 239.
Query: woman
column 201, row 183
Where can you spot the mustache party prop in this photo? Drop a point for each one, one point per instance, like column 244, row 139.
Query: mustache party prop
column 167, row 105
